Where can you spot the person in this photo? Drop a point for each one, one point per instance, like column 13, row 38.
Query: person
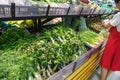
column 110, row 59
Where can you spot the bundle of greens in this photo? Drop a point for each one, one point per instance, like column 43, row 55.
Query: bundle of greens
column 23, row 55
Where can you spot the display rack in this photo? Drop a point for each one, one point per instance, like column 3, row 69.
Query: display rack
column 15, row 12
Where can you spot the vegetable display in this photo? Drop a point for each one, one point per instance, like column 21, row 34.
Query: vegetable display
column 25, row 56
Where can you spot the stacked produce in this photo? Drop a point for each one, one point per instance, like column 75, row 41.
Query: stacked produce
column 96, row 26
column 22, row 23
column 24, row 56
column 87, row 37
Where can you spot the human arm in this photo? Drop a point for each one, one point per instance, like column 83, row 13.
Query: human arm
column 107, row 24
column 114, row 22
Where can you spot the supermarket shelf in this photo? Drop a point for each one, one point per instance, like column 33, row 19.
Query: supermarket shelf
column 15, row 12
column 81, row 68
column 36, row 13
column 88, row 47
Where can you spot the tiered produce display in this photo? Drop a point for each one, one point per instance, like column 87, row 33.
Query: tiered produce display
column 23, row 55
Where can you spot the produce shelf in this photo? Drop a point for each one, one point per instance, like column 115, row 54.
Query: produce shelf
column 15, row 12
column 82, row 68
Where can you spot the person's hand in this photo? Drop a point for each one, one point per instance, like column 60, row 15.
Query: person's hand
column 105, row 23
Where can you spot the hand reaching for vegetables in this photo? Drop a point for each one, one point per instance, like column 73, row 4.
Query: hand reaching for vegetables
column 106, row 23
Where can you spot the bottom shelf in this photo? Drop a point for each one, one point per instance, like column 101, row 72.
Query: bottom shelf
column 82, row 68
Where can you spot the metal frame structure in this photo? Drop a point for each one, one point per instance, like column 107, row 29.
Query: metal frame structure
column 15, row 12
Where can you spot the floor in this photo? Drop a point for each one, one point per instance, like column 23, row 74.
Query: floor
column 113, row 76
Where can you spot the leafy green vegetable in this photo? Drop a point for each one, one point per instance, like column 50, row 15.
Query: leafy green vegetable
column 23, row 54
